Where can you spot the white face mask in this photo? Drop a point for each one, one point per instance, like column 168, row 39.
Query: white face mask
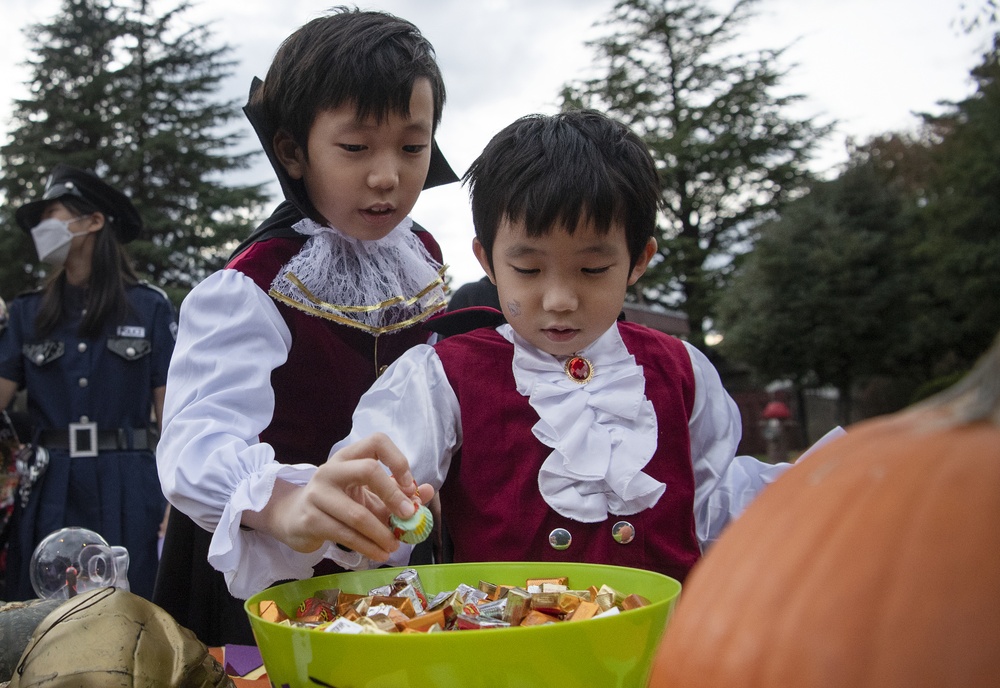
column 52, row 238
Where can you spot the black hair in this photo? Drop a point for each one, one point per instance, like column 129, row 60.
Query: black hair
column 549, row 170
column 370, row 59
column 111, row 273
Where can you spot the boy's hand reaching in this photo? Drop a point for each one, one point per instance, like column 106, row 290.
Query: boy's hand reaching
column 348, row 501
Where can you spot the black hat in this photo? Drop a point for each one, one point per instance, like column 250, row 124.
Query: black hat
column 71, row 181
column 438, row 173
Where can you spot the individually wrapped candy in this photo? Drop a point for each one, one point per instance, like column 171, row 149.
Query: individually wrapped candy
column 406, row 609
column 416, row 528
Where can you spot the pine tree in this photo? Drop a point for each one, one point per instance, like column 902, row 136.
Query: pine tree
column 727, row 152
column 125, row 90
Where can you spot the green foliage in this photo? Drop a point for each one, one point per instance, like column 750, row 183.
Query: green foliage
column 727, row 152
column 958, row 245
column 892, row 269
column 811, row 300
column 127, row 92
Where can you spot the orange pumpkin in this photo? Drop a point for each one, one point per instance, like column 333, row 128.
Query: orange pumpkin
column 873, row 562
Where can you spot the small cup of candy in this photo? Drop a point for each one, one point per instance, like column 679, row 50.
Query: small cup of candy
column 523, row 624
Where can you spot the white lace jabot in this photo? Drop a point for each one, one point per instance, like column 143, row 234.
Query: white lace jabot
column 379, row 286
column 602, row 433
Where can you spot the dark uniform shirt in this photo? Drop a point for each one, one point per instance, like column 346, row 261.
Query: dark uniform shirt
column 107, row 381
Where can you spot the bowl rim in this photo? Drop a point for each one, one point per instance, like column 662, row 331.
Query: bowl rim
column 251, row 605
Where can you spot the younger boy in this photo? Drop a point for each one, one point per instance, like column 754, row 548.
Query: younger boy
column 274, row 351
column 566, row 434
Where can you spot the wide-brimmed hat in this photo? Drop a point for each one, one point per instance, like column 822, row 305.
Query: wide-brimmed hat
column 72, row 181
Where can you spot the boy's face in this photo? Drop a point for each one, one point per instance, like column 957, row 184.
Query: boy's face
column 364, row 177
column 562, row 291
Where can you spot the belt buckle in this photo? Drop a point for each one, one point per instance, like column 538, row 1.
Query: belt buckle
column 82, row 439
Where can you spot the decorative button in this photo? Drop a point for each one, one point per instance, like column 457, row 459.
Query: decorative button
column 84, row 419
column 83, row 382
column 39, row 358
column 579, row 369
column 560, row 539
column 623, row 532
column 130, row 351
column 81, row 347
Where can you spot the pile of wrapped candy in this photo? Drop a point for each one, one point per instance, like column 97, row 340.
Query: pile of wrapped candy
column 402, row 606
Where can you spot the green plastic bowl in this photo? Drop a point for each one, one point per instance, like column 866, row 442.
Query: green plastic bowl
column 607, row 652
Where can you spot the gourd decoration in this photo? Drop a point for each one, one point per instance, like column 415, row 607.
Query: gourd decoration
column 874, row 562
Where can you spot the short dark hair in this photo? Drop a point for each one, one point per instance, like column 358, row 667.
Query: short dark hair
column 370, row 59
column 545, row 170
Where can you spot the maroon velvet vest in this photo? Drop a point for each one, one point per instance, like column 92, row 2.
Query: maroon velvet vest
column 490, row 501
column 328, row 368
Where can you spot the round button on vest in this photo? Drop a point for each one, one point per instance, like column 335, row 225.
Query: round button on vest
column 623, row 532
column 130, row 351
column 83, row 382
column 81, row 347
column 560, row 539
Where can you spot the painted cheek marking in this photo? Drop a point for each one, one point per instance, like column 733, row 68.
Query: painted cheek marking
column 514, row 308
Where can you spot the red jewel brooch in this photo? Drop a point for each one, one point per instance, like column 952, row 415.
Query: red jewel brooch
column 579, row 369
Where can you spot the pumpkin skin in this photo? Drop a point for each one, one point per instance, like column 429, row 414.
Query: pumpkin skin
column 875, row 562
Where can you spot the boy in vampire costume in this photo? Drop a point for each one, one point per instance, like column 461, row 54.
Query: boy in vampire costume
column 275, row 350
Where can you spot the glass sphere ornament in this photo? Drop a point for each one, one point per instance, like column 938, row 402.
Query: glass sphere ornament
column 73, row 560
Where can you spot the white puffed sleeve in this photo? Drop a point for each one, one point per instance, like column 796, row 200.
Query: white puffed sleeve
column 724, row 482
column 211, row 463
column 414, row 404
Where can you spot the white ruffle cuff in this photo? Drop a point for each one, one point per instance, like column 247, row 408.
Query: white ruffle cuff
column 238, row 554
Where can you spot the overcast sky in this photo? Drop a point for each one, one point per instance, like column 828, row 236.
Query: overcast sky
column 868, row 64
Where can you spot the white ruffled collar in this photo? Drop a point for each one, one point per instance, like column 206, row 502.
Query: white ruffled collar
column 379, row 286
column 602, row 433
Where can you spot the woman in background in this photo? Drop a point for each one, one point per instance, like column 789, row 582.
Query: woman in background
column 91, row 348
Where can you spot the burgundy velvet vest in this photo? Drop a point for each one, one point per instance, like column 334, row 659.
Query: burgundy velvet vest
column 491, row 504
column 328, row 368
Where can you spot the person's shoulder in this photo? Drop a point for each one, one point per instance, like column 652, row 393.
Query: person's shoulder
column 149, row 298
column 278, row 225
column 479, row 293
column 30, row 293
column 150, row 290
column 455, row 322
column 481, row 341
column 636, row 331
column 262, row 260
column 24, row 305
column 266, row 254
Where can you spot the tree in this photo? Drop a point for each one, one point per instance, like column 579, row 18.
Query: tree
column 727, row 153
column 958, row 247
column 823, row 298
column 127, row 91
column 892, row 269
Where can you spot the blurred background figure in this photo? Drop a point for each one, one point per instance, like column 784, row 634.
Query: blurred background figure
column 482, row 292
column 91, row 350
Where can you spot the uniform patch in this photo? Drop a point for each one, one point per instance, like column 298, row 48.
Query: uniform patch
column 131, row 331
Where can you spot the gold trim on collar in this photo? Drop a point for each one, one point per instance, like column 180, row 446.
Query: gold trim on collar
column 322, row 309
column 439, row 282
column 423, row 315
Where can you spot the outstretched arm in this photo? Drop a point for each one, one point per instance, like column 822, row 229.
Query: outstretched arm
column 348, row 501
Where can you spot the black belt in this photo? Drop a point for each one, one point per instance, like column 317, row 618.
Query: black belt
column 86, row 440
